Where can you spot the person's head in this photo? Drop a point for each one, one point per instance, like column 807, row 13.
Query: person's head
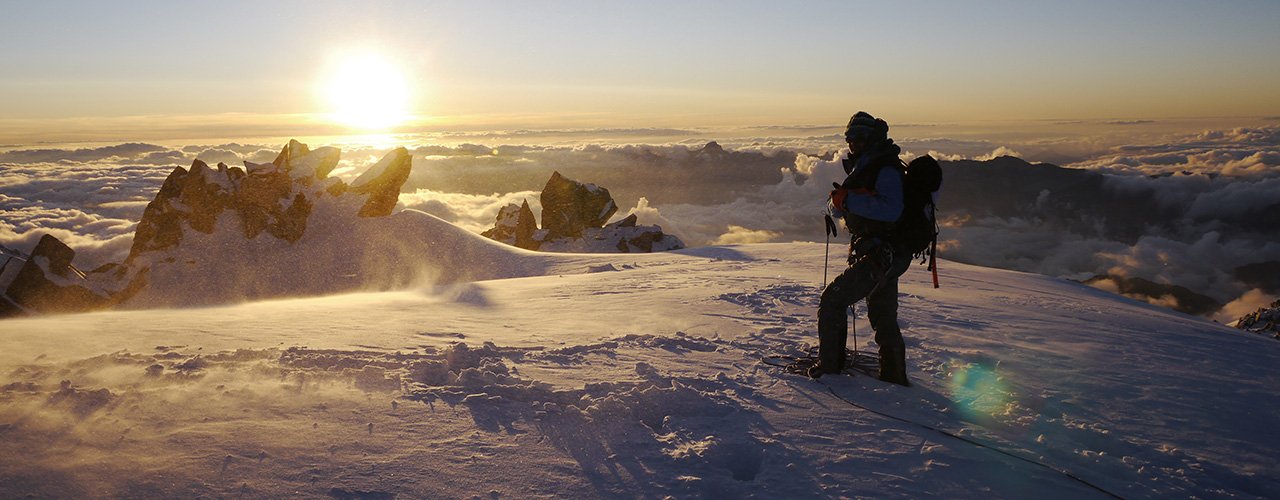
column 864, row 131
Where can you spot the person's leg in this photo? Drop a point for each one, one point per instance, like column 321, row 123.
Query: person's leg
column 882, row 311
column 833, row 326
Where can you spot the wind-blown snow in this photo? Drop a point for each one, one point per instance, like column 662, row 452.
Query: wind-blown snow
column 334, row 254
column 642, row 378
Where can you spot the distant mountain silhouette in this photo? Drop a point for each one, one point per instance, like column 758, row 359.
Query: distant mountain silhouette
column 1084, row 202
column 1187, row 301
column 1263, row 275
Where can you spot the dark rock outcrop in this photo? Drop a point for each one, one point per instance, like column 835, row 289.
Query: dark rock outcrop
column 1264, row 321
column 274, row 197
column 631, row 240
column 258, row 196
column 160, row 226
column 48, row 283
column 569, row 206
column 382, row 182
column 516, row 225
column 575, row 223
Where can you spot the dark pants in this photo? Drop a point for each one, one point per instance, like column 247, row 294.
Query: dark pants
column 878, row 283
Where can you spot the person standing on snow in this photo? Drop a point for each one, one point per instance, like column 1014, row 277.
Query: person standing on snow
column 869, row 200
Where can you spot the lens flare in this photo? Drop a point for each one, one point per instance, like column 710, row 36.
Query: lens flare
column 977, row 390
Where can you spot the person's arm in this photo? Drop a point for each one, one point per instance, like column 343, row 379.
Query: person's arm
column 883, row 204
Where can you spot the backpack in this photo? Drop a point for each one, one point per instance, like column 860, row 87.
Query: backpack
column 916, row 231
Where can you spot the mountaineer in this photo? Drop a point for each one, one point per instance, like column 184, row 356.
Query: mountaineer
column 870, row 200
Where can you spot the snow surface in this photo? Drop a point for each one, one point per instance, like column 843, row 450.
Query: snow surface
column 634, row 375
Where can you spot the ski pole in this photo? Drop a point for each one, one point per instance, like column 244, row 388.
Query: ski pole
column 854, row 323
column 830, row 230
column 933, row 260
column 826, row 256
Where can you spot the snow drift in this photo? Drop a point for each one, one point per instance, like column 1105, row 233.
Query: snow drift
column 643, row 379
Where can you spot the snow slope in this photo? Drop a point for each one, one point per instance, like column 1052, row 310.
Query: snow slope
column 630, row 375
column 338, row 253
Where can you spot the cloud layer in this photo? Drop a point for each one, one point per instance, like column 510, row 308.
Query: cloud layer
column 1184, row 209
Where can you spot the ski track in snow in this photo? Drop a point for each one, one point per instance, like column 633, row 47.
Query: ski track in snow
column 640, row 377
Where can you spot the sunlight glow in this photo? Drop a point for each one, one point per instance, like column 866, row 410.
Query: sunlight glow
column 367, row 92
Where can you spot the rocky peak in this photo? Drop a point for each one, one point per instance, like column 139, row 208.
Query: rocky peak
column 1264, row 321
column 515, row 226
column 381, row 183
column 303, row 164
column 275, row 198
column 49, row 283
column 569, row 206
column 711, row 151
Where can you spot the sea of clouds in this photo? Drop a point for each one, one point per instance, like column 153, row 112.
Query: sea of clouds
column 1203, row 192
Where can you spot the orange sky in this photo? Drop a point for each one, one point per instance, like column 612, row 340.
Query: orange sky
column 108, row 71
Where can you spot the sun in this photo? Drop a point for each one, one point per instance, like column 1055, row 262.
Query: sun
column 365, row 90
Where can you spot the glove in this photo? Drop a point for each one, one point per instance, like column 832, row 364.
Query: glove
column 837, row 197
column 833, row 210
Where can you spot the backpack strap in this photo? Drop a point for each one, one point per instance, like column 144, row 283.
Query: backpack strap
column 933, row 245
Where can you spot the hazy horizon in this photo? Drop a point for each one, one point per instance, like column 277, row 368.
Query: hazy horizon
column 80, row 71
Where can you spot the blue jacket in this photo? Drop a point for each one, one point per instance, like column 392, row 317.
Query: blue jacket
column 885, row 202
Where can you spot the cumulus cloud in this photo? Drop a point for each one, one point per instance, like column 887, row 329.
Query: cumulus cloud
column 163, row 158
column 791, row 209
column 1204, row 265
column 213, row 156
column 1238, row 152
column 235, row 147
column 1236, row 199
column 1251, row 301
column 131, row 150
column 998, row 152
column 664, row 174
column 739, row 235
column 92, row 208
column 475, row 213
column 951, row 149
column 527, row 135
column 97, row 243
